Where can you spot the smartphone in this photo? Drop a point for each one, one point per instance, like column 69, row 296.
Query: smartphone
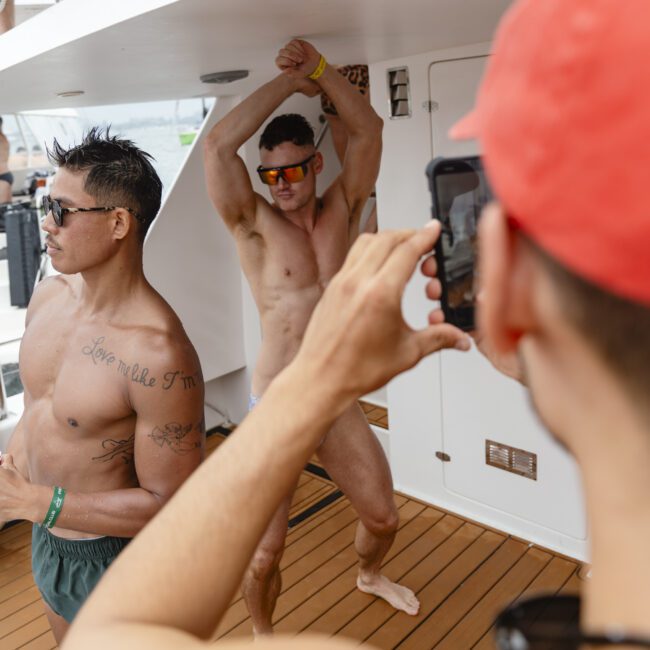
column 459, row 191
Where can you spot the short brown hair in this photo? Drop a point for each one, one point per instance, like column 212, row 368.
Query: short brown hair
column 287, row 128
column 616, row 328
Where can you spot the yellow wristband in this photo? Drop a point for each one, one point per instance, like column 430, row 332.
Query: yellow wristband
column 320, row 68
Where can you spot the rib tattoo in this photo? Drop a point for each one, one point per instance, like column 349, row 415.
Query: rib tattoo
column 114, row 448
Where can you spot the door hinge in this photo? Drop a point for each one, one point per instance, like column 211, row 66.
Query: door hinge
column 430, row 107
column 445, row 458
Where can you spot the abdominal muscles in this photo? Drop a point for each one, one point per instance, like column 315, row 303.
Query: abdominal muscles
column 284, row 317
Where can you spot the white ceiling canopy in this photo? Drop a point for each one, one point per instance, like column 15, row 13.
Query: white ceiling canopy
column 146, row 50
column 26, row 9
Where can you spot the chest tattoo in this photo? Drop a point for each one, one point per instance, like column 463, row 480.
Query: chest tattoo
column 117, row 448
column 136, row 372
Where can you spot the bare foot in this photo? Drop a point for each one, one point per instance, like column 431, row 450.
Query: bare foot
column 260, row 636
column 399, row 597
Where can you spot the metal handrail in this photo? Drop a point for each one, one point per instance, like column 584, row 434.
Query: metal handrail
column 321, row 133
column 3, row 397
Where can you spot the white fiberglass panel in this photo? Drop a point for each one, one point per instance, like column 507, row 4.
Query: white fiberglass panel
column 190, row 258
column 480, row 404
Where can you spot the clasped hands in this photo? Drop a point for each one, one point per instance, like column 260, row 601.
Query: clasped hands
column 297, row 60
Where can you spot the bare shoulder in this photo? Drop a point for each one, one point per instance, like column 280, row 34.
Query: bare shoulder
column 163, row 354
column 46, row 291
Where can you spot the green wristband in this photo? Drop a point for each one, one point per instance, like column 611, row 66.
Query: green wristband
column 55, row 507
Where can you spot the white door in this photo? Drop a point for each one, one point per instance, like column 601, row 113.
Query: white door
column 478, row 403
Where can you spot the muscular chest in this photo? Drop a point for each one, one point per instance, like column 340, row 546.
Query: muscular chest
column 75, row 369
column 296, row 259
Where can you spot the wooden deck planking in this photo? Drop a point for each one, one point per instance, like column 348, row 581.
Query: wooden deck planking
column 18, row 601
column 463, row 573
column 341, row 520
column 26, row 633
column 43, row 642
column 313, row 572
column 20, row 568
column 474, row 624
column 433, row 580
column 22, row 617
column 552, row 578
column 377, row 415
column 331, row 609
column 18, row 552
column 17, row 586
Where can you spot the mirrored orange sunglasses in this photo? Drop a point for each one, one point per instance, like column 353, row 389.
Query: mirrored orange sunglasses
column 290, row 173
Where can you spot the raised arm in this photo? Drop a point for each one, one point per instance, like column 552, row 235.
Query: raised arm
column 226, row 502
column 229, row 185
column 7, row 16
column 167, row 445
column 363, row 126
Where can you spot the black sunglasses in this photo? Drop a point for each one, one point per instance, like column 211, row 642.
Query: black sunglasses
column 553, row 623
column 50, row 204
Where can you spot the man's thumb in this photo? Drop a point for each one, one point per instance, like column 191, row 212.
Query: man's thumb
column 441, row 337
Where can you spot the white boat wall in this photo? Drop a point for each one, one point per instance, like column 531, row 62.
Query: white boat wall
column 141, row 50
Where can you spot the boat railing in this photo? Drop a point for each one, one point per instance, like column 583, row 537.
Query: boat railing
column 3, row 397
column 322, row 132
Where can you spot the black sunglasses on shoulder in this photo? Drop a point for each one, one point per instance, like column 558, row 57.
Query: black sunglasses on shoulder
column 553, row 623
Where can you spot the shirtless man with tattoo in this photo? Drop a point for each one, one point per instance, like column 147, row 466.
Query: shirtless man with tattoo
column 113, row 420
column 289, row 250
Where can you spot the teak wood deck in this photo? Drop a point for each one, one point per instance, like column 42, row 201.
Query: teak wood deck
column 462, row 572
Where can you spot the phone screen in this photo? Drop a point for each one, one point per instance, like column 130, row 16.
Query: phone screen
column 460, row 191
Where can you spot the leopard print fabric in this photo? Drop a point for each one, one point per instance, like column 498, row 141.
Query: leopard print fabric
column 357, row 75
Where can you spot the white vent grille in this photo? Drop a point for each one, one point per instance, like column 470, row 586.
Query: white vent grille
column 511, row 459
column 399, row 94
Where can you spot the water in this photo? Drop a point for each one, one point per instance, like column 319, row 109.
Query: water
column 163, row 143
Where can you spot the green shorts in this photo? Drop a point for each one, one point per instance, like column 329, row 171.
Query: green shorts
column 67, row 570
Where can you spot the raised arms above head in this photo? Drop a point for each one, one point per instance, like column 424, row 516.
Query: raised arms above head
column 300, row 60
column 228, row 182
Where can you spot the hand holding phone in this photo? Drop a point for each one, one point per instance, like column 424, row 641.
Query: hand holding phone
column 459, row 191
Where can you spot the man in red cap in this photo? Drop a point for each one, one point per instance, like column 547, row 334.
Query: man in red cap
column 562, row 117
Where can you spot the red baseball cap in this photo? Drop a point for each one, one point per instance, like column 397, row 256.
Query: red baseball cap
column 563, row 118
